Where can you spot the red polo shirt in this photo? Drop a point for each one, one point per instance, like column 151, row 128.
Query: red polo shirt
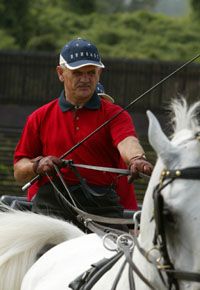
column 57, row 126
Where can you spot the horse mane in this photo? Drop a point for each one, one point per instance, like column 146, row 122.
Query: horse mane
column 23, row 235
column 185, row 116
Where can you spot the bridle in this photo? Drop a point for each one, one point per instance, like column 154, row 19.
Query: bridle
column 160, row 243
column 163, row 263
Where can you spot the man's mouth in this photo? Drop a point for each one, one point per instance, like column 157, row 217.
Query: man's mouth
column 84, row 87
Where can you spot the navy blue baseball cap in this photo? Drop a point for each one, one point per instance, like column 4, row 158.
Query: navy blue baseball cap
column 78, row 53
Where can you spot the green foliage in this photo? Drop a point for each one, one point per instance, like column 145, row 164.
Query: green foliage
column 195, row 5
column 48, row 24
column 141, row 4
column 45, row 42
column 81, row 6
column 14, row 18
column 115, row 6
column 7, row 41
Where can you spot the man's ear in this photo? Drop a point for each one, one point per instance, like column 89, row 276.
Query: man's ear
column 60, row 73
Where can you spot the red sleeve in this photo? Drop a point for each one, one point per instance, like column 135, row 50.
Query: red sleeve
column 121, row 127
column 29, row 145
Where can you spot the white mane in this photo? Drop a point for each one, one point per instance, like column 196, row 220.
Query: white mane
column 23, row 235
column 185, row 116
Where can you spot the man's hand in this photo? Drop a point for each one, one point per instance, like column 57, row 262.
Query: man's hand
column 139, row 164
column 43, row 165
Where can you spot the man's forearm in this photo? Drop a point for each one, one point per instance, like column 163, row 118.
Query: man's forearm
column 130, row 148
column 23, row 170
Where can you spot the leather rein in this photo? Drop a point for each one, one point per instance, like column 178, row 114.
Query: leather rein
column 124, row 242
column 163, row 265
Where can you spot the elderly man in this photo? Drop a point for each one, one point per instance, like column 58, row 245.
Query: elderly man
column 57, row 126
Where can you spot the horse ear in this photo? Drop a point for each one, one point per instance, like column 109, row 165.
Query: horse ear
column 159, row 140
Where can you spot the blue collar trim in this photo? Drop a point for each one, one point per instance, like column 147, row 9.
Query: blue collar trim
column 93, row 104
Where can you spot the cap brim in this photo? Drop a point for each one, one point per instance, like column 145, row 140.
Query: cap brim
column 107, row 97
column 81, row 63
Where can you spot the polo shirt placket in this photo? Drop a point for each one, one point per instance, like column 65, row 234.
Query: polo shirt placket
column 77, row 124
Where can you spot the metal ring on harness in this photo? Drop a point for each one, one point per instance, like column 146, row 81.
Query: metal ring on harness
column 110, row 237
column 125, row 241
column 148, row 255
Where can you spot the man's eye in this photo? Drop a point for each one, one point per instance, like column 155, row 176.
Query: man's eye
column 77, row 73
column 91, row 73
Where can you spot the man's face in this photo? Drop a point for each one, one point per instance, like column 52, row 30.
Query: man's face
column 80, row 83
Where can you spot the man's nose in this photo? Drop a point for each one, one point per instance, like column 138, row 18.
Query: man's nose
column 85, row 77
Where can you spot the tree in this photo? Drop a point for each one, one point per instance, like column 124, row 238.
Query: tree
column 141, row 4
column 81, row 6
column 15, row 19
column 195, row 5
column 111, row 6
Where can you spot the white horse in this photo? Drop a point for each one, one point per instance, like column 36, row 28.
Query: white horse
column 168, row 240
column 178, row 222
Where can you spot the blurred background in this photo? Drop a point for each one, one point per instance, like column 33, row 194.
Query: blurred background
column 140, row 41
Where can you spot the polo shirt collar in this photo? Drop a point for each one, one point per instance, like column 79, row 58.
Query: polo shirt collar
column 93, row 104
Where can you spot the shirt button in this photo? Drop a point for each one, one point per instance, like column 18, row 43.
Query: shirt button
column 77, row 128
column 77, row 118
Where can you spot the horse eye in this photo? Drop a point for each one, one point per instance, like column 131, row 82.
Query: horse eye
column 168, row 215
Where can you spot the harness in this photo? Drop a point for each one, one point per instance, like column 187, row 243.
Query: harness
column 124, row 245
column 89, row 278
column 163, row 264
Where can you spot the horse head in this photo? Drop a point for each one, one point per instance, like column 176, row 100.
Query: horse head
column 170, row 219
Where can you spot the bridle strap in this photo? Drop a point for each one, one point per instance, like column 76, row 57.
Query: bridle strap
column 117, row 279
column 184, row 275
column 105, row 268
column 185, row 173
column 135, row 269
column 169, row 176
column 160, row 237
